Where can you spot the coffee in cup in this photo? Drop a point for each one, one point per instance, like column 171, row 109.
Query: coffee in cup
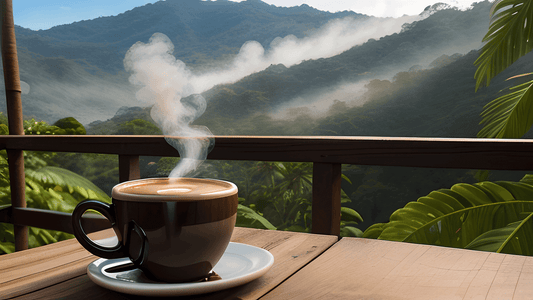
column 174, row 230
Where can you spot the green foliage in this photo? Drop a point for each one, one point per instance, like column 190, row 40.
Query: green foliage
column 4, row 130
column 350, row 217
column 509, row 116
column 166, row 164
column 66, row 126
column 508, row 39
column 47, row 187
column 515, row 238
column 280, row 192
column 6, row 237
column 3, row 119
column 484, row 216
column 101, row 169
column 32, row 127
column 70, row 126
column 139, row 127
column 247, row 217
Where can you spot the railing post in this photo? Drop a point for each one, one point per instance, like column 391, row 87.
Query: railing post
column 326, row 214
column 14, row 114
column 128, row 167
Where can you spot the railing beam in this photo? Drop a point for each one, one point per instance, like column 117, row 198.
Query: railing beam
column 52, row 220
column 326, row 211
column 449, row 153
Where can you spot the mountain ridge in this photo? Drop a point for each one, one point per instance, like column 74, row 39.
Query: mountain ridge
column 257, row 95
column 46, row 54
column 375, row 59
column 213, row 21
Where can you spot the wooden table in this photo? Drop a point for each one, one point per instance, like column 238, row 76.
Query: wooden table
column 307, row 266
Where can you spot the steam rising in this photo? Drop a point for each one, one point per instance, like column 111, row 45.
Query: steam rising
column 166, row 84
column 174, row 91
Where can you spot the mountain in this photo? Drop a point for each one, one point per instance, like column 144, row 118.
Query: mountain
column 387, row 83
column 77, row 69
column 434, row 102
column 418, row 82
column 279, row 100
column 200, row 30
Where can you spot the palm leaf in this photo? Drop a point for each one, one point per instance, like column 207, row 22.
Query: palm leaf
column 509, row 116
column 460, row 228
column 455, row 217
column 62, row 181
column 506, row 40
column 514, row 238
column 528, row 178
column 519, row 190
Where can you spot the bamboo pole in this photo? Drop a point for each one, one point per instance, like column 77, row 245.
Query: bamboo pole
column 14, row 114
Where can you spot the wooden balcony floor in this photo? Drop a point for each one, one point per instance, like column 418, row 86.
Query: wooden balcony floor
column 307, row 266
column 356, row 268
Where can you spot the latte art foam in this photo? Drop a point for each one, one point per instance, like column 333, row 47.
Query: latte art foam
column 173, row 189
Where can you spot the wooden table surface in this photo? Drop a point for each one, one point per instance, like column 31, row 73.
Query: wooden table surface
column 306, row 266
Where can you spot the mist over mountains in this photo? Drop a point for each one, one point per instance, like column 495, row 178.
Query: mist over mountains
column 368, row 83
column 446, row 32
column 205, row 35
column 200, row 30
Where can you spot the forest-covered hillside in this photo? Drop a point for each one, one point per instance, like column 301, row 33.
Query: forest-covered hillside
column 202, row 31
column 77, row 69
column 67, row 67
column 427, row 66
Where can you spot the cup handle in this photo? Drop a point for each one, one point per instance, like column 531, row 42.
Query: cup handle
column 143, row 252
column 107, row 210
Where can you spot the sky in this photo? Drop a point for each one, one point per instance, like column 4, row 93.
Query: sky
column 43, row 14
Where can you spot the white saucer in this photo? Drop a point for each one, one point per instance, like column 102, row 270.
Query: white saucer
column 240, row 264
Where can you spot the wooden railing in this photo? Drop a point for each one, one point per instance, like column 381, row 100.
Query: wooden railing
column 326, row 154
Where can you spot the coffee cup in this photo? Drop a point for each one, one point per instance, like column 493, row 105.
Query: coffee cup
column 174, row 230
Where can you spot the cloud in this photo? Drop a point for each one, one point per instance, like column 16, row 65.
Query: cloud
column 174, row 91
column 331, row 39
